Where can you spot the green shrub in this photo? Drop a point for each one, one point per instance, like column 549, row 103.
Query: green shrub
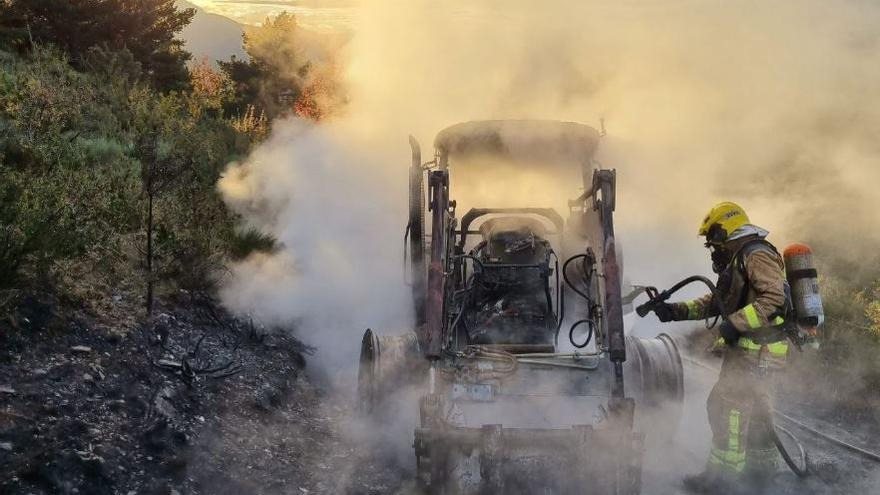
column 244, row 242
column 92, row 162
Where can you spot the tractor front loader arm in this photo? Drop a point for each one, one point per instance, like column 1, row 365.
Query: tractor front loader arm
column 438, row 204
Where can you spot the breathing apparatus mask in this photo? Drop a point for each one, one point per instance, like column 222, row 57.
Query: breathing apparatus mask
column 721, row 256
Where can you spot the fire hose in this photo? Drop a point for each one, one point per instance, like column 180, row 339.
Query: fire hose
column 657, row 297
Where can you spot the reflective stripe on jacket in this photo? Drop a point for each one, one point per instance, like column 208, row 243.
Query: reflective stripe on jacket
column 765, row 296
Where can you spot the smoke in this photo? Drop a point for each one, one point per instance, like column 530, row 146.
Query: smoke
column 338, row 269
column 768, row 104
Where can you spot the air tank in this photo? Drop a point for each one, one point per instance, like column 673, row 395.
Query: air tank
column 804, row 281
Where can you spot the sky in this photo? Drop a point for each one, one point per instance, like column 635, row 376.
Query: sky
column 323, row 15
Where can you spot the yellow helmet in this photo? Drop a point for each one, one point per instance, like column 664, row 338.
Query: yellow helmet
column 722, row 220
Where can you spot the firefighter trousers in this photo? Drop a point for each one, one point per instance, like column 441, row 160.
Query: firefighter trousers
column 741, row 422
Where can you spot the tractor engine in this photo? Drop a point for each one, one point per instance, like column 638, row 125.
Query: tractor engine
column 510, row 300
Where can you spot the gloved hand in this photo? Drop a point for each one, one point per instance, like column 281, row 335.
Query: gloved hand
column 665, row 312
column 729, row 333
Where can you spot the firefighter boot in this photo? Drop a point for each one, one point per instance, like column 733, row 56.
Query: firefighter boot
column 759, row 483
column 709, row 482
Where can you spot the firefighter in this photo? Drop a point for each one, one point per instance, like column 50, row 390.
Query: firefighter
column 752, row 292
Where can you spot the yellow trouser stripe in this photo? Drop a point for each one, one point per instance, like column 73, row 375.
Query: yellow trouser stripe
column 693, row 310
column 734, row 458
column 778, row 348
column 733, row 431
column 775, row 349
column 752, row 316
column 734, row 461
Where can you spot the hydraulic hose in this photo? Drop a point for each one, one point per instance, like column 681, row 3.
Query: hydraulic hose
column 590, row 322
column 565, row 275
column 586, row 342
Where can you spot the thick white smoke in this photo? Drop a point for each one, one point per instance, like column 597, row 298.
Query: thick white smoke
column 327, row 200
column 767, row 103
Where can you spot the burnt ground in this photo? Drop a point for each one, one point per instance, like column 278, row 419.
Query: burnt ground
column 95, row 406
column 201, row 402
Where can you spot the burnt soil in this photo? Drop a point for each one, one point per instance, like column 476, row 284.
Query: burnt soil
column 95, row 406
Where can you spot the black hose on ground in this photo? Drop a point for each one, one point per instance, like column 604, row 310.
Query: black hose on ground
column 801, row 472
column 866, row 454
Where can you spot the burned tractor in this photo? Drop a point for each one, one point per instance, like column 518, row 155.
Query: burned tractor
column 504, row 407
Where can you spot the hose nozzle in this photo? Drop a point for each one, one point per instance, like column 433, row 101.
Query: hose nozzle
column 655, row 297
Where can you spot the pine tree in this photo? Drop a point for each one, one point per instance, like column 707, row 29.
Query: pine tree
column 147, row 28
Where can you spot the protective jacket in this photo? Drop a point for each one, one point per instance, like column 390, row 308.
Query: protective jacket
column 752, row 291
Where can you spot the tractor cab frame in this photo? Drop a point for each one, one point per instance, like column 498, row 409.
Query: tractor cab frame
column 499, row 398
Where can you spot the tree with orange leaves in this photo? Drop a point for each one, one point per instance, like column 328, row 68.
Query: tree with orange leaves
column 290, row 71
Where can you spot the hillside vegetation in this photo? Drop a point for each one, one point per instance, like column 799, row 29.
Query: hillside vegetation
column 111, row 146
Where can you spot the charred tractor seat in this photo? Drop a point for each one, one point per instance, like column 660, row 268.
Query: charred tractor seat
column 511, row 302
